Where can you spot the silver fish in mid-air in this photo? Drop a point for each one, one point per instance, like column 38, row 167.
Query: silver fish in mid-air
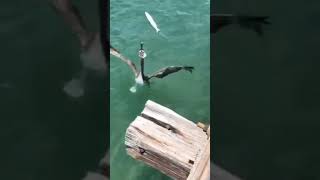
column 152, row 22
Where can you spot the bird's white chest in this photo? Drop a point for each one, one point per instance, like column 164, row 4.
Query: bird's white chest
column 139, row 79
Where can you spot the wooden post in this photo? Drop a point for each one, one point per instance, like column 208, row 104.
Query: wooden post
column 170, row 143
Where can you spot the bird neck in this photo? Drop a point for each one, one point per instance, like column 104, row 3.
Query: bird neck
column 142, row 68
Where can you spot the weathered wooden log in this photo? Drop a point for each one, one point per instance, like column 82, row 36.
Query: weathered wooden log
column 169, row 142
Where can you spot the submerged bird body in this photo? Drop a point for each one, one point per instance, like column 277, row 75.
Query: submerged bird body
column 169, row 70
column 142, row 79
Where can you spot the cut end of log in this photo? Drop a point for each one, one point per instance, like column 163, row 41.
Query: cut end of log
column 166, row 141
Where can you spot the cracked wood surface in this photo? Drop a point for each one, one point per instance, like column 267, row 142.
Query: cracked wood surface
column 166, row 141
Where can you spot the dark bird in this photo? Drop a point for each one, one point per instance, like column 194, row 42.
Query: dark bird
column 140, row 76
column 169, row 70
column 255, row 23
column 94, row 49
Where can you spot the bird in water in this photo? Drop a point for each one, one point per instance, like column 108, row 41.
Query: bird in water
column 140, row 76
column 255, row 23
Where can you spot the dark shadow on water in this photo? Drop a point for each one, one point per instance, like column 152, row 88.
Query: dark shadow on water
column 45, row 133
column 266, row 94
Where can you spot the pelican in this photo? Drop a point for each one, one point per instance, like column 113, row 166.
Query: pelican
column 255, row 23
column 140, row 76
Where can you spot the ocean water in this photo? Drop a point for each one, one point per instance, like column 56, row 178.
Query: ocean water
column 185, row 40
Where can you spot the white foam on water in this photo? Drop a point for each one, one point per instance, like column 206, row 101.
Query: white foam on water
column 139, row 79
column 133, row 89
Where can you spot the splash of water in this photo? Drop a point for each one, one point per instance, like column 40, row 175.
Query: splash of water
column 139, row 79
column 133, row 89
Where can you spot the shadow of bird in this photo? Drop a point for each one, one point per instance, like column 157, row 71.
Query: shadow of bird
column 254, row 23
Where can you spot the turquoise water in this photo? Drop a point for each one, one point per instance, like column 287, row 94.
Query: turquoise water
column 186, row 26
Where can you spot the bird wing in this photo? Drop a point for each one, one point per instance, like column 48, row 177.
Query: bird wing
column 117, row 54
column 163, row 72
